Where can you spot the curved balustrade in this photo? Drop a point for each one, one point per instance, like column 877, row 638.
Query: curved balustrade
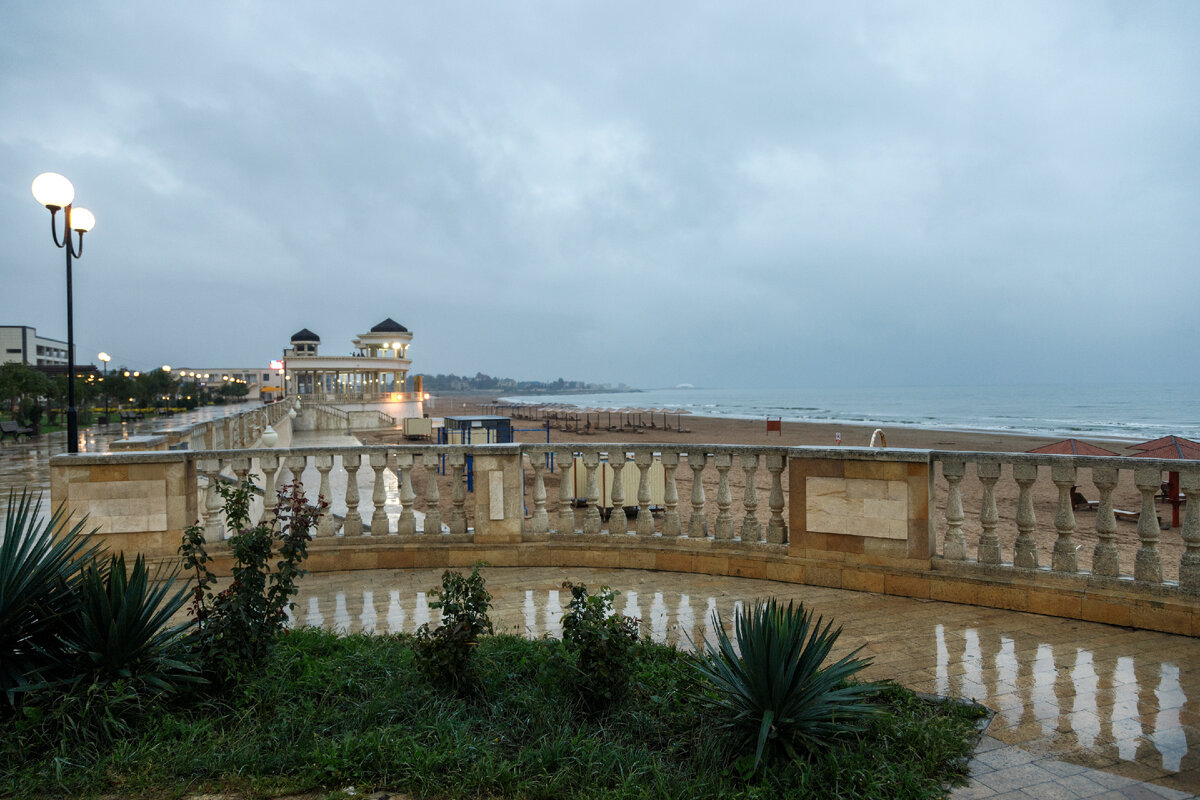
column 991, row 529
column 1074, row 517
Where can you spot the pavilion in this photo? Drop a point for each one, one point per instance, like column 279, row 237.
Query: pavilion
column 377, row 370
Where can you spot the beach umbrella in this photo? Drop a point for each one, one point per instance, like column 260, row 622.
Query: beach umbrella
column 1172, row 447
column 1072, row 447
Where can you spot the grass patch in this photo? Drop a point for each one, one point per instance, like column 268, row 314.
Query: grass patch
column 329, row 712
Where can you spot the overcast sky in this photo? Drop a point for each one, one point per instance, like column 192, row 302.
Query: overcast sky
column 721, row 194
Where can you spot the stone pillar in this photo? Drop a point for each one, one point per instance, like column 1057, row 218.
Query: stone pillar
column 777, row 527
column 618, row 523
column 697, row 523
column 671, row 526
column 214, row 530
column 1104, row 557
column 379, row 519
column 645, row 523
column 498, row 504
column 1148, row 564
column 352, row 526
column 1189, row 562
column 724, row 528
column 954, row 548
column 989, row 517
column 324, row 464
column 407, row 524
column 433, row 496
column 591, row 515
column 566, row 492
column 1026, row 547
column 1064, row 560
column 751, row 529
column 539, row 522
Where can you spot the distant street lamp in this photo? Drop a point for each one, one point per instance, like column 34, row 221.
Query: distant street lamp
column 56, row 192
column 105, row 357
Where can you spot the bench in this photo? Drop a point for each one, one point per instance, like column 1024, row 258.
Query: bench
column 14, row 429
column 130, row 416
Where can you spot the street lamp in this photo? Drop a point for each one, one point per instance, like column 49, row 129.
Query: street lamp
column 105, row 357
column 56, row 192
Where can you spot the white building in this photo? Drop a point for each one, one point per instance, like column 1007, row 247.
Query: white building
column 376, row 371
column 21, row 344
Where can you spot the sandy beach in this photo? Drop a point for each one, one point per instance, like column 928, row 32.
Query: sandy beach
column 712, row 430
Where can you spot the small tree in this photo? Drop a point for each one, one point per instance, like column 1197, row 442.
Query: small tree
column 444, row 654
column 238, row 625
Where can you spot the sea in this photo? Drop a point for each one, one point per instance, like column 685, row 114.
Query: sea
column 1110, row 412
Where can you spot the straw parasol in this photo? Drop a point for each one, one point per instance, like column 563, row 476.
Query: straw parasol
column 1072, row 447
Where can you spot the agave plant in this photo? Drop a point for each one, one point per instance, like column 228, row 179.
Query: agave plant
column 40, row 563
column 776, row 697
column 121, row 632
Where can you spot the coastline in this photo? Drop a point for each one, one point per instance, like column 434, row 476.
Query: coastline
column 733, row 430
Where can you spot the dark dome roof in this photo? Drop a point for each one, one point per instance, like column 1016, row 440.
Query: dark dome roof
column 389, row 325
column 305, row 335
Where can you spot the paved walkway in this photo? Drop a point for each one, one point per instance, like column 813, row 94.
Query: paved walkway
column 1083, row 710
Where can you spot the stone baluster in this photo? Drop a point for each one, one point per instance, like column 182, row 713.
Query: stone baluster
column 458, row 509
column 270, row 468
column 698, row 522
column 433, row 495
column 296, row 465
column 324, row 464
column 241, row 469
column 566, row 491
column 1147, row 566
column 989, row 517
column 1189, row 562
column 539, row 522
column 955, row 546
column 751, row 528
column 1105, row 561
column 645, row 523
column 724, row 528
column 671, row 527
column 214, row 530
column 618, row 523
column 407, row 524
column 379, row 519
column 352, row 525
column 776, row 527
column 591, row 515
column 1064, row 559
column 227, row 434
column 1025, row 554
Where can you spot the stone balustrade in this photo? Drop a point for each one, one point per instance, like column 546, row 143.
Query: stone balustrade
column 842, row 517
column 986, row 555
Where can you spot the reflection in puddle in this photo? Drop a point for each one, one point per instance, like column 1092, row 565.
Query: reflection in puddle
column 1050, row 696
column 1064, row 695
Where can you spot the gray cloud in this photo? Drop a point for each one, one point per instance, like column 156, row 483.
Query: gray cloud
column 784, row 195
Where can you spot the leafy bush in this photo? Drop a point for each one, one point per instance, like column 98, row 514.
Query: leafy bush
column 444, row 654
column 120, row 631
column 603, row 644
column 238, row 625
column 776, row 698
column 40, row 565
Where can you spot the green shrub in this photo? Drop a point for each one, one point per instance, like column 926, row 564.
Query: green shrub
column 237, row 626
column 120, row 630
column 40, row 565
column 776, row 698
column 603, row 644
column 444, row 654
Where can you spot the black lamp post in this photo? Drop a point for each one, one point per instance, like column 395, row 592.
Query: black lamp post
column 56, row 192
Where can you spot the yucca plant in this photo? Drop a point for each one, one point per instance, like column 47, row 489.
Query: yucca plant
column 121, row 631
column 40, row 563
column 776, row 698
